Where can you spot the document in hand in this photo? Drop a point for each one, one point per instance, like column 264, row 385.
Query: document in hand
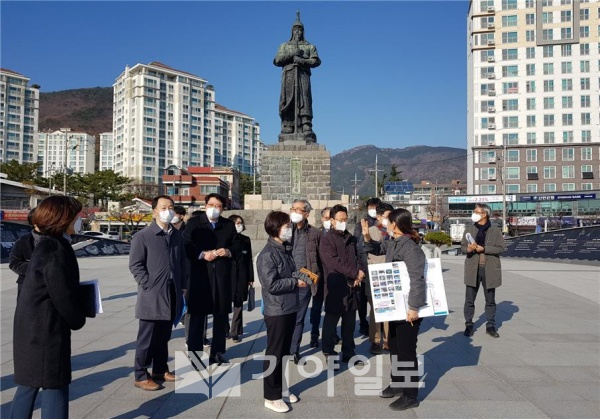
column 390, row 286
column 89, row 295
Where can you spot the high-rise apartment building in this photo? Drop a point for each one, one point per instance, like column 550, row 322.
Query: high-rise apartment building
column 106, row 160
column 533, row 96
column 19, row 106
column 164, row 117
column 66, row 150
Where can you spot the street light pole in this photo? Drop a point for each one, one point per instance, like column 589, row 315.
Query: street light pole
column 503, row 179
column 65, row 130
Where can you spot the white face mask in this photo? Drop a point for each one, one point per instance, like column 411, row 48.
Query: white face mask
column 239, row 228
column 166, row 216
column 77, row 225
column 175, row 220
column 372, row 213
column 212, row 213
column 327, row 224
column 475, row 217
column 295, row 217
column 285, row 234
column 340, row 225
column 385, row 222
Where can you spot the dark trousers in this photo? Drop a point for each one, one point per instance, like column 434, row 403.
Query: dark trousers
column 315, row 311
column 362, row 306
column 55, row 402
column 304, row 300
column 198, row 331
column 279, row 338
column 152, row 347
column 402, row 341
column 348, row 324
column 237, row 321
column 490, row 300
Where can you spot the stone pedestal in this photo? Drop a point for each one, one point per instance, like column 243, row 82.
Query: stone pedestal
column 296, row 170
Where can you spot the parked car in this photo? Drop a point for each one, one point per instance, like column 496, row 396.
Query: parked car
column 112, row 235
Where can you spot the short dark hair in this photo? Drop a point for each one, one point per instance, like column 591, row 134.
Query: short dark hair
column 373, row 201
column 403, row 220
column 30, row 217
column 54, row 214
column 274, row 221
column 179, row 210
column 159, row 197
column 235, row 218
column 218, row 196
column 196, row 213
column 337, row 208
column 383, row 207
column 325, row 209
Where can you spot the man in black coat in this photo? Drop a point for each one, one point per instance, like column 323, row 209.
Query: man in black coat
column 158, row 263
column 210, row 243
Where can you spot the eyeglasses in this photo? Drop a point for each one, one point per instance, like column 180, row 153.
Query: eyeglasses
column 297, row 210
column 217, row 206
column 480, row 212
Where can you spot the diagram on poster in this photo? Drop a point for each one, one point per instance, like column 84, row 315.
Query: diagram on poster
column 390, row 286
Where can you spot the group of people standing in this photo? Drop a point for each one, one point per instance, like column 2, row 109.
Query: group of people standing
column 206, row 265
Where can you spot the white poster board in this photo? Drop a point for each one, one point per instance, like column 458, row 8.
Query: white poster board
column 390, row 285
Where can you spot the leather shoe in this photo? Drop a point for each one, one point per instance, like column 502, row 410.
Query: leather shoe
column 404, row 403
column 314, row 342
column 296, row 359
column 236, row 338
column 492, row 332
column 357, row 361
column 167, row 376
column 148, row 385
column 375, row 349
column 469, row 331
column 217, row 359
column 389, row 392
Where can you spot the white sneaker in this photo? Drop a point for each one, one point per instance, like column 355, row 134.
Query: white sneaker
column 292, row 398
column 278, row 406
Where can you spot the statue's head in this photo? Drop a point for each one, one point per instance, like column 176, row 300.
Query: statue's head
column 297, row 29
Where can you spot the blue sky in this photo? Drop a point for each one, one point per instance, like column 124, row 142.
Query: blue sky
column 393, row 73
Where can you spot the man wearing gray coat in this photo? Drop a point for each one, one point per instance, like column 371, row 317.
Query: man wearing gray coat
column 483, row 243
column 157, row 261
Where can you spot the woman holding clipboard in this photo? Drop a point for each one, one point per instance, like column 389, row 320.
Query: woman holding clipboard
column 403, row 247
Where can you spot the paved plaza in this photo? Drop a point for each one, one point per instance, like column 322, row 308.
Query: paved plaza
column 545, row 364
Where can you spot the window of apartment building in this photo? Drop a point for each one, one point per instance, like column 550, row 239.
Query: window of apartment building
column 509, row 20
column 530, row 52
column 566, row 67
column 587, row 186
column 486, row 37
column 510, row 139
column 548, row 68
column 512, row 173
column 510, row 71
column 547, row 34
column 530, row 87
column 488, row 173
column 513, row 188
column 486, row 104
column 531, row 169
column 530, row 69
column 549, row 120
column 565, row 50
column 488, row 139
column 567, row 102
column 547, row 17
column 530, row 104
column 567, row 119
column 510, row 105
column 530, row 35
column 549, row 187
column 487, row 156
column 509, row 4
column 531, row 120
column 549, row 172
column 510, row 54
column 567, row 136
column 584, row 14
column 486, row 54
column 530, row 19
column 548, row 103
column 584, row 31
column 510, row 122
column 485, row 122
column 531, row 138
column 549, row 154
column 532, row 187
column 584, row 49
column 586, row 136
column 566, row 84
column 531, row 155
column 585, row 83
column 509, row 37
column 568, row 154
column 565, row 2
column 586, row 154
column 485, row 71
column 548, row 85
column 512, row 156
column 586, row 168
column 487, row 189
column 584, row 66
column 565, row 16
column 586, row 118
column 567, row 187
column 510, row 87
column 568, row 172
column 529, row 4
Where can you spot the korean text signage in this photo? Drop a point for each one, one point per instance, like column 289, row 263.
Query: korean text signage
column 543, row 198
column 479, row 199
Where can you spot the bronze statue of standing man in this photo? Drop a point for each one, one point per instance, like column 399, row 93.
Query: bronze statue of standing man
column 297, row 57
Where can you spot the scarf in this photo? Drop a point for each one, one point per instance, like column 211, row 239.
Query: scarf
column 481, row 230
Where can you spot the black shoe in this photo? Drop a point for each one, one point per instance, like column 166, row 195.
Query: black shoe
column 389, row 392
column 206, row 342
column 336, row 339
column 375, row 349
column 217, row 359
column 469, row 331
column 227, row 335
column 492, row 332
column 404, row 403
column 357, row 361
column 236, row 338
column 328, row 354
column 296, row 358
column 314, row 342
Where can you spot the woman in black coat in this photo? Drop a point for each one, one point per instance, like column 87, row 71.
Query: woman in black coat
column 47, row 310
column 242, row 277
